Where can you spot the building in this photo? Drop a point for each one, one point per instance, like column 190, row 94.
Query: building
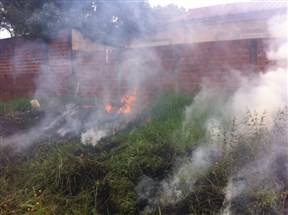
column 248, row 20
column 204, row 43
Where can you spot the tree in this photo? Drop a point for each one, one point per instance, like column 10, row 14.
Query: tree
column 41, row 18
column 110, row 22
column 115, row 22
column 14, row 14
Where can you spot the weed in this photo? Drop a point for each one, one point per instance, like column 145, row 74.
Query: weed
column 70, row 178
column 14, row 105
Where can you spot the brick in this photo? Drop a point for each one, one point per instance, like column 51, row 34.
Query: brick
column 191, row 62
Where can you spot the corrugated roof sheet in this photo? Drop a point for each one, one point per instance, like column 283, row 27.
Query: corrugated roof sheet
column 231, row 9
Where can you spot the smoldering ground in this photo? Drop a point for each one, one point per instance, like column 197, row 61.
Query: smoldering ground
column 246, row 124
column 88, row 120
column 256, row 168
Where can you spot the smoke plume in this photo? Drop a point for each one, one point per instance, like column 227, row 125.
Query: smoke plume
column 257, row 103
column 261, row 98
column 123, row 92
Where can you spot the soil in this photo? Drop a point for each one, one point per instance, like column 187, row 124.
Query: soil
column 20, row 121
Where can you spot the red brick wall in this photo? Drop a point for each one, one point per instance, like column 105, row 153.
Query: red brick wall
column 181, row 67
column 6, row 68
column 60, row 64
column 95, row 74
column 22, row 61
column 27, row 61
column 191, row 63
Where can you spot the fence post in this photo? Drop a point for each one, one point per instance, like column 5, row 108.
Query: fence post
column 253, row 53
column 177, row 57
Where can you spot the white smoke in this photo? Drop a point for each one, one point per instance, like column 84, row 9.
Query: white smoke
column 191, row 4
column 260, row 93
column 134, row 71
column 92, row 137
column 182, row 181
column 69, row 118
column 147, row 191
column 268, row 92
column 265, row 93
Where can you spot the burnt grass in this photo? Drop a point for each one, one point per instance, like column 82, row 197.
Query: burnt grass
column 19, row 121
column 63, row 176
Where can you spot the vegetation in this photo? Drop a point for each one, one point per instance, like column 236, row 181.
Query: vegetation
column 14, row 105
column 70, row 178
column 110, row 22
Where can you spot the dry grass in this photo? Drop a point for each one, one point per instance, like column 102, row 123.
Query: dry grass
column 70, row 178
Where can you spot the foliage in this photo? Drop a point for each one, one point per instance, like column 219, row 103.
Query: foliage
column 109, row 22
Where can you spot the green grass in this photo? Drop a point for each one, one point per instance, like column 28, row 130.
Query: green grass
column 70, row 178
column 14, row 105
column 22, row 104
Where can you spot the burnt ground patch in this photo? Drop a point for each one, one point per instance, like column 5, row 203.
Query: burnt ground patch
column 19, row 122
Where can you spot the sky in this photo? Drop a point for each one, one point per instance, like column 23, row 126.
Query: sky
column 188, row 4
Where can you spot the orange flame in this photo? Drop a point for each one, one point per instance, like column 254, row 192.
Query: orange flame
column 127, row 103
column 108, row 108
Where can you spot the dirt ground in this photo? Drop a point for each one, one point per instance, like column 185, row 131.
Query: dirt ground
column 19, row 122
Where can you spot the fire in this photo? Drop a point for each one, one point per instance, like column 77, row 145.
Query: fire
column 127, row 103
column 108, row 108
